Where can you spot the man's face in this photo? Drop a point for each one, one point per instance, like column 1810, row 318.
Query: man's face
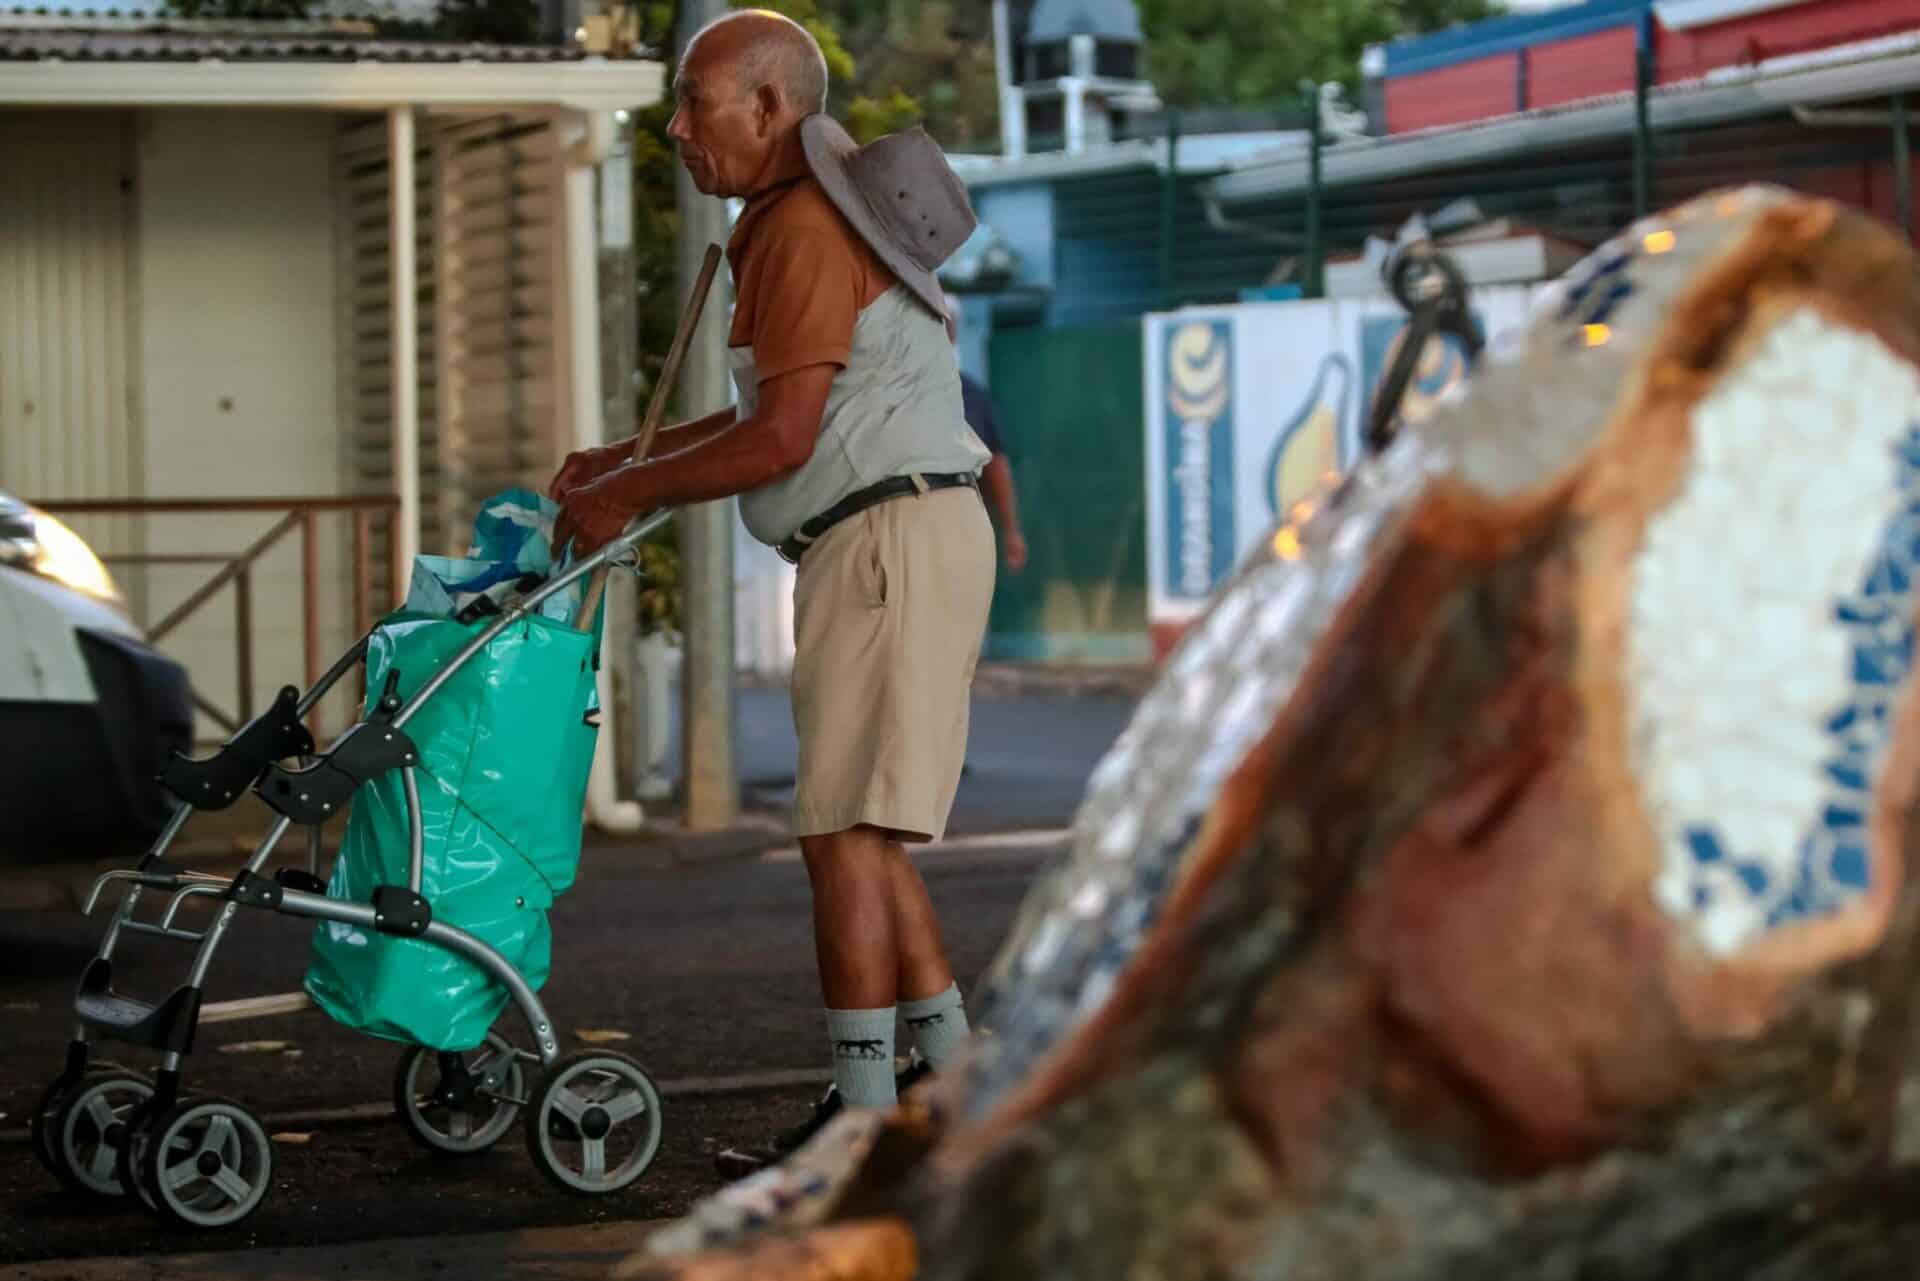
column 723, row 128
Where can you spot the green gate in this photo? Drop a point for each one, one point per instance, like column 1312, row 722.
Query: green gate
column 1071, row 415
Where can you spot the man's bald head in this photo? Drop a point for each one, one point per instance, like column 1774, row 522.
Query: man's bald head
column 758, row 47
column 744, row 85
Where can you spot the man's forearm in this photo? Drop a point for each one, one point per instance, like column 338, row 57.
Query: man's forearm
column 699, row 463
column 677, row 436
column 674, row 437
column 998, row 477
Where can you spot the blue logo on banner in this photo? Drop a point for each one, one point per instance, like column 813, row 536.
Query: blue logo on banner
column 1199, row 457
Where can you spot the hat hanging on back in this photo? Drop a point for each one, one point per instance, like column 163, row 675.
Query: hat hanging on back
column 900, row 194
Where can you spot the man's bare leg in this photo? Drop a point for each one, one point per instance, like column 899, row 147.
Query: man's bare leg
column 924, row 970
column 929, row 998
column 856, row 943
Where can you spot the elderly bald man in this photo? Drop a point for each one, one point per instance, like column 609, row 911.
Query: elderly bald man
column 850, row 452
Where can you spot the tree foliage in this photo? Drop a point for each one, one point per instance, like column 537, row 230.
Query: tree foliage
column 1253, row 52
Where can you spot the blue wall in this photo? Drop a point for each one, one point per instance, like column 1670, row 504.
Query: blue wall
column 1090, row 249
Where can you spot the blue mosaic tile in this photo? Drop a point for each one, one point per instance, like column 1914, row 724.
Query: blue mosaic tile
column 1849, row 773
column 1848, row 867
column 1839, row 817
column 1831, row 868
column 1593, row 298
column 1705, row 845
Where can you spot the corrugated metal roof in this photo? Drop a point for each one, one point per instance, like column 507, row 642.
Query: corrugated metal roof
column 1867, row 69
column 1684, row 15
column 110, row 13
column 1506, row 33
column 167, row 45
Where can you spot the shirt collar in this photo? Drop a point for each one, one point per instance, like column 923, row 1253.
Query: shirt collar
column 786, row 177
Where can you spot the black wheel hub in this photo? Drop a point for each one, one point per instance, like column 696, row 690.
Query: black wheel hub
column 456, row 1083
column 209, row 1164
column 595, row 1123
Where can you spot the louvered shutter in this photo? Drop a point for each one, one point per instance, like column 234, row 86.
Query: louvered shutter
column 499, row 262
column 487, row 254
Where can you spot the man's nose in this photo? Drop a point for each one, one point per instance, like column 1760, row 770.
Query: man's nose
column 676, row 127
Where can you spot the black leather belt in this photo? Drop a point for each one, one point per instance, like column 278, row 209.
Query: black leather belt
column 861, row 499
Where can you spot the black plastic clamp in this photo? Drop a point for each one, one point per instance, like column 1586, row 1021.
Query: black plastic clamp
column 398, row 910
column 256, row 890
column 221, row 779
column 295, row 878
column 313, row 795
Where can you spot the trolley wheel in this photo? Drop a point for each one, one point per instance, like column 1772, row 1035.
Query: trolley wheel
column 43, row 1124
column 132, row 1166
column 595, row 1126
column 459, row 1113
column 92, row 1127
column 207, row 1163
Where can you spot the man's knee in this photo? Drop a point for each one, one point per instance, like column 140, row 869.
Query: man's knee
column 845, row 853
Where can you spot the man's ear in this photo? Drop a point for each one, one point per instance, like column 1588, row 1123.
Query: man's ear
column 767, row 103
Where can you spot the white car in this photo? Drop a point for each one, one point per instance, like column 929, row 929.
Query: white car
column 89, row 713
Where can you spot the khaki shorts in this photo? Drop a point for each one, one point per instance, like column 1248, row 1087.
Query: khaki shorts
column 890, row 608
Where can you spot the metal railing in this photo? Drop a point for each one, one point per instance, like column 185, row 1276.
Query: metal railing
column 301, row 515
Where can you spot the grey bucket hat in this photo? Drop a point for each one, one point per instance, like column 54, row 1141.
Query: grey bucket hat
column 900, row 194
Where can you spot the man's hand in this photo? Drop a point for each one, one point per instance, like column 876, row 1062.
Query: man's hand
column 589, row 520
column 1015, row 550
column 584, row 466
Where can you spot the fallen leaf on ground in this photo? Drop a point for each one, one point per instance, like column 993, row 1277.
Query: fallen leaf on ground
column 256, row 1047
column 601, row 1035
column 291, row 1137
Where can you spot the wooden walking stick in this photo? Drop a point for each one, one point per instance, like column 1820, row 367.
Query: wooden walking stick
column 657, row 404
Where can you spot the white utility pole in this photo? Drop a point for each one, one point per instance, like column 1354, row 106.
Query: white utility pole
column 706, row 531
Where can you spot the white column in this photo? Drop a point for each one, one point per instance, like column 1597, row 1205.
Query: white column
column 587, row 141
column 404, row 286
column 1076, row 114
column 1013, row 115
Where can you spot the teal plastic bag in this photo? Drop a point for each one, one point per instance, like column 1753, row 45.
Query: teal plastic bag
column 506, row 747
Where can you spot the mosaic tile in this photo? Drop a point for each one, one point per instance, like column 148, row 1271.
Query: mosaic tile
column 1736, row 598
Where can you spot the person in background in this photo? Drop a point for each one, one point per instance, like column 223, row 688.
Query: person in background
column 997, row 479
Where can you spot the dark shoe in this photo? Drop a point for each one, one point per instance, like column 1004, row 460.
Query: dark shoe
column 738, row 1163
column 917, row 1071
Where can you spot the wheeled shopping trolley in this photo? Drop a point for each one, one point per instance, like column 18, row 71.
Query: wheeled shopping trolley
column 410, row 945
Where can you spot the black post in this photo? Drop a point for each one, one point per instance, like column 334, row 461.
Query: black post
column 1169, row 192
column 1642, row 128
column 1902, row 169
column 1312, row 277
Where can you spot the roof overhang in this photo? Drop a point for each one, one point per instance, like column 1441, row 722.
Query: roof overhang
column 1685, row 15
column 592, row 84
column 1861, row 70
column 1199, row 155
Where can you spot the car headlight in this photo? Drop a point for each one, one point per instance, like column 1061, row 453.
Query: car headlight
column 35, row 541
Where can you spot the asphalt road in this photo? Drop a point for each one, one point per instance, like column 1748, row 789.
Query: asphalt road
column 708, row 971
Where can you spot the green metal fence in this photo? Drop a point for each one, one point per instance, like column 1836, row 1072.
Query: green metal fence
column 1070, row 409
column 1067, row 374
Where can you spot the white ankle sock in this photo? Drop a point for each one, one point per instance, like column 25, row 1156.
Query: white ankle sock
column 863, row 1056
column 938, row 1024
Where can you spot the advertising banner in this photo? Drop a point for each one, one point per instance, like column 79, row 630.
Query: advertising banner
column 1252, row 408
